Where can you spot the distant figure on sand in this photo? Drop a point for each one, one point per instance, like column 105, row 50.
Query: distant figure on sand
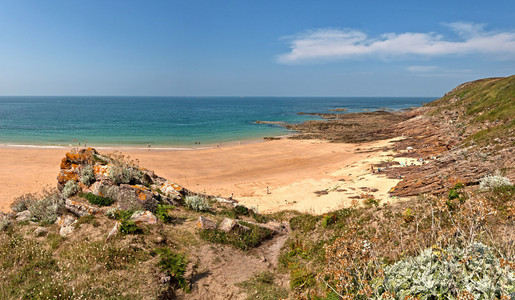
column 268, row 191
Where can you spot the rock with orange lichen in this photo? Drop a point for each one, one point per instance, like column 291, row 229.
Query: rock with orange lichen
column 66, row 175
column 102, row 172
column 81, row 209
column 171, row 189
column 144, row 217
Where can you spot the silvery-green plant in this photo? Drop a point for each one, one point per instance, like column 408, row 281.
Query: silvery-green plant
column 446, row 273
column 493, row 181
column 197, row 203
column 70, row 188
column 48, row 208
column 87, row 175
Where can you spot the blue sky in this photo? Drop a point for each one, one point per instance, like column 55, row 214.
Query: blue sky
column 252, row 48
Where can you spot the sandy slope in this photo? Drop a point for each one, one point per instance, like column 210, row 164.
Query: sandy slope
column 291, row 169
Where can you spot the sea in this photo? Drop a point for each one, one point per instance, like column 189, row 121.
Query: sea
column 167, row 121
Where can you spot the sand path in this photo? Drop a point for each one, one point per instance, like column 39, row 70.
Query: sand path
column 292, row 170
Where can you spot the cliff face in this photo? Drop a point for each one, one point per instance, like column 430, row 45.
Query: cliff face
column 470, row 133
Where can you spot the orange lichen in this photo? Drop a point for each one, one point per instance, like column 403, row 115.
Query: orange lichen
column 65, row 164
column 141, row 196
column 102, row 170
column 66, row 175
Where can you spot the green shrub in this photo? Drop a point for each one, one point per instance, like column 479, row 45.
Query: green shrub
column 174, row 264
column 87, row 175
column 70, row 188
column 197, row 203
column 122, row 215
column 305, row 222
column 241, row 210
column 97, row 200
column 328, row 220
column 163, row 212
column 301, row 278
column 408, row 215
column 129, row 227
column 242, row 239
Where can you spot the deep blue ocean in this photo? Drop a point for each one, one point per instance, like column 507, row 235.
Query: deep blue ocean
column 165, row 121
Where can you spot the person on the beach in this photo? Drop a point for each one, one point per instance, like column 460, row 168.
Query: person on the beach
column 268, row 191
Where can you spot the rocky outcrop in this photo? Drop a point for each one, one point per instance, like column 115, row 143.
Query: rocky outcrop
column 349, row 128
column 80, row 209
column 117, row 178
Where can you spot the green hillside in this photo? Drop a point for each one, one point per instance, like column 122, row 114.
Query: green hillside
column 488, row 103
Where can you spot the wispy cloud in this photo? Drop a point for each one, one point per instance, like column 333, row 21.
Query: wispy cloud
column 346, row 44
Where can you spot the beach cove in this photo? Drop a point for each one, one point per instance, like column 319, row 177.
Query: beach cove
column 304, row 175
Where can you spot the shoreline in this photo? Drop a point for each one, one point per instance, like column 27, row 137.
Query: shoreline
column 143, row 147
column 295, row 171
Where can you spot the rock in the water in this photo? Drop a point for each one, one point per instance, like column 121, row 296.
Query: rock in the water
column 40, row 231
column 80, row 209
column 144, row 217
column 23, row 216
column 205, row 223
column 228, row 224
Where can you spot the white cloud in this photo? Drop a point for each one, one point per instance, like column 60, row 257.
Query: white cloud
column 336, row 44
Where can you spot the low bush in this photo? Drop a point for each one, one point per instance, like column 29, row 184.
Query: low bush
column 48, row 208
column 97, row 200
column 328, row 220
column 302, row 278
column 163, row 212
column 87, row 175
column 24, row 201
column 240, row 238
column 70, row 188
column 453, row 272
column 121, row 174
column 174, row 264
column 129, row 227
column 122, row 215
column 197, row 203
column 494, row 181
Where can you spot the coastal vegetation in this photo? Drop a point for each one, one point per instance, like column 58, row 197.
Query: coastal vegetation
column 115, row 230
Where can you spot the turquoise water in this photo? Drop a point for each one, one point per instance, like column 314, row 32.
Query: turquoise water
column 164, row 121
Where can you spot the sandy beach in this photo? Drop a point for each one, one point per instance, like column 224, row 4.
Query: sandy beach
column 304, row 175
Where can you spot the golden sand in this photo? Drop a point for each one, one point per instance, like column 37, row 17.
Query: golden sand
column 272, row 175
